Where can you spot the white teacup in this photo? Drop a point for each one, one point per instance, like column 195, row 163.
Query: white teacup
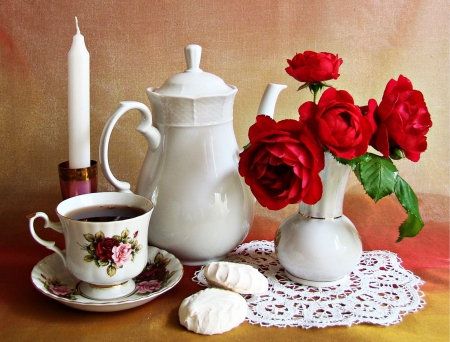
column 104, row 255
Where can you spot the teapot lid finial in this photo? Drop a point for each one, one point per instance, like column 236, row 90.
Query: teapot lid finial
column 193, row 54
column 194, row 82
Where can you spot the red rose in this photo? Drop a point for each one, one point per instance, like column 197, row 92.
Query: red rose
column 339, row 124
column 312, row 67
column 403, row 120
column 104, row 247
column 61, row 291
column 282, row 164
column 157, row 273
column 148, row 286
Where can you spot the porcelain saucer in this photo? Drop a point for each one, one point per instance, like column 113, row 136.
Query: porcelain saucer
column 163, row 272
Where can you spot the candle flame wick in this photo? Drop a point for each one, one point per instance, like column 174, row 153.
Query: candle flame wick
column 76, row 23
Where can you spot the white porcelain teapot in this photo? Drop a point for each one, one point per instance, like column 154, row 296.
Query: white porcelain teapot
column 203, row 210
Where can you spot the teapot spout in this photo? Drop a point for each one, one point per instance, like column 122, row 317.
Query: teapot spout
column 269, row 99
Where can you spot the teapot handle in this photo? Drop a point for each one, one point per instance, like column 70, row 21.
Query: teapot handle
column 150, row 133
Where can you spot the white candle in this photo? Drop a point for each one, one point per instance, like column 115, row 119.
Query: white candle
column 79, row 103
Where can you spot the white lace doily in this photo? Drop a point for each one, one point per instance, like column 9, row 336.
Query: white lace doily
column 379, row 292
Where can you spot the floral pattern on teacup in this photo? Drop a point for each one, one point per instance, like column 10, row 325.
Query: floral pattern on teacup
column 112, row 252
column 154, row 276
column 58, row 288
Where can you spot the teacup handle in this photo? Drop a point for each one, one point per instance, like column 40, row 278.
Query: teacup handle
column 48, row 224
column 150, row 133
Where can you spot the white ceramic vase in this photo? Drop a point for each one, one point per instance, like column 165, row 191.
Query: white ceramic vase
column 319, row 246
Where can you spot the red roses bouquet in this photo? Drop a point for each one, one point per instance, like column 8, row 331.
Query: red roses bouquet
column 281, row 164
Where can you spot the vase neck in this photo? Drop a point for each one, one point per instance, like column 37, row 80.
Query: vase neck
column 334, row 180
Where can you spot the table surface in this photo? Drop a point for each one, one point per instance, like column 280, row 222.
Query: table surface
column 27, row 315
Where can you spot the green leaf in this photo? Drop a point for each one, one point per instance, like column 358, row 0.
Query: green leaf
column 111, row 270
column 357, row 173
column 169, row 275
column 406, row 196
column 103, row 262
column 303, row 86
column 380, row 178
column 408, row 199
column 378, row 175
column 88, row 258
column 354, row 163
column 99, row 236
column 396, row 153
column 125, row 233
column 158, row 258
column 410, row 227
column 89, row 237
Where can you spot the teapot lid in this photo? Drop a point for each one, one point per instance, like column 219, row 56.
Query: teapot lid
column 193, row 82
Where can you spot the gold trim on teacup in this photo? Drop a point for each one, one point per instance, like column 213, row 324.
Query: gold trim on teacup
column 81, row 174
column 96, row 286
column 106, row 287
column 321, row 218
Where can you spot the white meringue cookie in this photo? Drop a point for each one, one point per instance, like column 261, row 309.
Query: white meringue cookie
column 212, row 311
column 239, row 278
